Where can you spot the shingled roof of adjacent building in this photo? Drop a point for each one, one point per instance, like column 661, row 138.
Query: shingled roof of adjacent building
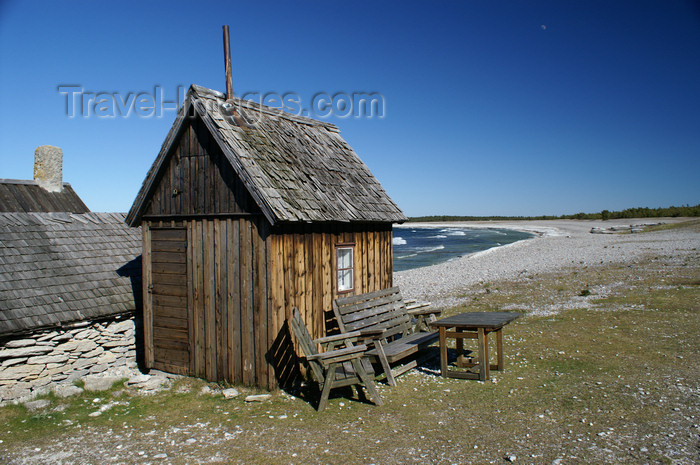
column 297, row 169
column 17, row 195
column 60, row 268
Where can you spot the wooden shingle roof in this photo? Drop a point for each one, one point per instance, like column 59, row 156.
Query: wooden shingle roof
column 18, row 195
column 59, row 268
column 297, row 169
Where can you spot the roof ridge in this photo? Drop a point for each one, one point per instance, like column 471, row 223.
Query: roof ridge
column 28, row 182
column 252, row 105
column 62, row 217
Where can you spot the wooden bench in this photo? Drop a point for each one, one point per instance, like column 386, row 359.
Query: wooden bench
column 398, row 338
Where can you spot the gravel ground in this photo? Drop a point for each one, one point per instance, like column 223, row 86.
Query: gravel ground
column 559, row 245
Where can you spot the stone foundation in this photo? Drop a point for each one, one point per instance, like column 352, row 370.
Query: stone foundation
column 38, row 363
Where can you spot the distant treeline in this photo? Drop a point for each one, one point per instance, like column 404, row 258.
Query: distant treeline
column 641, row 212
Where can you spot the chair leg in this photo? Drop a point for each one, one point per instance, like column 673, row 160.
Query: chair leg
column 385, row 364
column 330, row 377
column 369, row 384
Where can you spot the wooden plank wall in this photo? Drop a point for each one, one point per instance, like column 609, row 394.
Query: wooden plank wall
column 198, row 179
column 303, row 271
column 229, row 300
column 146, row 282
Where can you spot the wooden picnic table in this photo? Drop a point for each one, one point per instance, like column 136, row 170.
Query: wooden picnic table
column 473, row 325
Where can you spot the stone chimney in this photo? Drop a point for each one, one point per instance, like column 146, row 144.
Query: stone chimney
column 48, row 167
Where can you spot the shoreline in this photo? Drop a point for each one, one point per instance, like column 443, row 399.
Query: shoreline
column 558, row 245
column 539, row 230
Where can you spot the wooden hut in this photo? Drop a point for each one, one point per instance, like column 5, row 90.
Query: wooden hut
column 247, row 212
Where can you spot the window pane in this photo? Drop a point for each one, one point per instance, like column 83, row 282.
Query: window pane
column 344, row 258
column 345, row 269
column 345, row 280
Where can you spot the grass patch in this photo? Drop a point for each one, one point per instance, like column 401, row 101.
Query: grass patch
column 689, row 224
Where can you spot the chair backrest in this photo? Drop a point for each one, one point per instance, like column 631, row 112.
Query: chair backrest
column 306, row 343
column 382, row 309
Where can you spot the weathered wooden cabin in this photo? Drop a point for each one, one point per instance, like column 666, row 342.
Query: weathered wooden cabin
column 247, row 212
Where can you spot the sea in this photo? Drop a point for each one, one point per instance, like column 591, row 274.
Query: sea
column 417, row 247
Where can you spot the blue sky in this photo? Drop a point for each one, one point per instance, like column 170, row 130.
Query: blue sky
column 491, row 108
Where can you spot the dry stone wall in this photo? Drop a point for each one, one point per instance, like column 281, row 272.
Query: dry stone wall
column 36, row 364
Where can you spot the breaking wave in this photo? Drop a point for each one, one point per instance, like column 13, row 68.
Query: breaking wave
column 416, row 247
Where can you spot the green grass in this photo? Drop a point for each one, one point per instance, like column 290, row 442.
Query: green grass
column 691, row 223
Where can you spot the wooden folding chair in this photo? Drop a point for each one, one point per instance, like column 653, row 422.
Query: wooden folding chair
column 327, row 367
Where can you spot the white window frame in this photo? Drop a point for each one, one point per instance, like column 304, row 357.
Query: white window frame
column 351, row 269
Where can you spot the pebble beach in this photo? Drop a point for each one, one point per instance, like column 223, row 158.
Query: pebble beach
column 558, row 245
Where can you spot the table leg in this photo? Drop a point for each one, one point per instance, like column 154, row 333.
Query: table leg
column 483, row 353
column 459, row 343
column 459, row 346
column 499, row 350
column 487, row 357
column 443, row 351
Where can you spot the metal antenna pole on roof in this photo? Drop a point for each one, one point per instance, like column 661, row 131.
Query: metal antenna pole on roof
column 227, row 58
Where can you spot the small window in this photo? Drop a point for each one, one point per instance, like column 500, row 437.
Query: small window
column 346, row 272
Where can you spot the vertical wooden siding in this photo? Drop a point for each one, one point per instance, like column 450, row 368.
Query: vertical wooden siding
column 230, row 301
column 230, row 327
column 243, row 279
column 197, row 179
column 303, row 274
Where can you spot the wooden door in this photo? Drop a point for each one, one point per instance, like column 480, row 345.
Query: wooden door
column 171, row 347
